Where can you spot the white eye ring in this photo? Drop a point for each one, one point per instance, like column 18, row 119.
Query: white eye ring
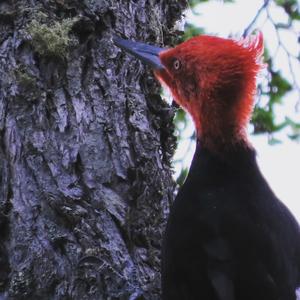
column 176, row 64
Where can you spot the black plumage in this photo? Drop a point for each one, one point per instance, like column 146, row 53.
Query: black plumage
column 228, row 237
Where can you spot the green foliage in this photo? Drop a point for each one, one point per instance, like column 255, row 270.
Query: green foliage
column 291, row 7
column 181, row 122
column 180, row 118
column 182, row 176
column 279, row 86
column 263, row 118
column 51, row 40
column 194, row 3
column 191, row 30
column 295, row 135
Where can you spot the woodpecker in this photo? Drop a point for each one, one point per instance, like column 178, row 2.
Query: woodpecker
column 228, row 237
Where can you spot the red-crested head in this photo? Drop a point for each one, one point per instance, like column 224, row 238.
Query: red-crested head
column 214, row 79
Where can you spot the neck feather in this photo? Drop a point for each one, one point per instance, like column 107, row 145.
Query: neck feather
column 220, row 129
column 235, row 157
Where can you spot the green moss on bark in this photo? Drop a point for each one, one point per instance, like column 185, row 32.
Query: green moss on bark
column 51, row 40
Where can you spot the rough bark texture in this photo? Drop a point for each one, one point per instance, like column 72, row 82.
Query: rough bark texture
column 85, row 143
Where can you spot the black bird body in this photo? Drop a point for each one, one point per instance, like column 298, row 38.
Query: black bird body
column 228, row 237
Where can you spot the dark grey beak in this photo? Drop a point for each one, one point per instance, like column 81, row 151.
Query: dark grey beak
column 146, row 53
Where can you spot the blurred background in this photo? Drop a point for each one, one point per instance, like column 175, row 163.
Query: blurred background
column 275, row 126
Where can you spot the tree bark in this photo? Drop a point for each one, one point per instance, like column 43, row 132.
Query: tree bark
column 85, row 147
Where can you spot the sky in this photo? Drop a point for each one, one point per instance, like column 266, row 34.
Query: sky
column 280, row 163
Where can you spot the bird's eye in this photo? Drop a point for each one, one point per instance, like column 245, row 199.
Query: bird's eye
column 176, row 64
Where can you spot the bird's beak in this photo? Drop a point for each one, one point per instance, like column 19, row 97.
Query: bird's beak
column 146, row 53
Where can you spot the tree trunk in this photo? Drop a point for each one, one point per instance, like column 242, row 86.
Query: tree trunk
column 86, row 141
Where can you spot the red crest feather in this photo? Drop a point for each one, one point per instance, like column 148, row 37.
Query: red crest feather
column 255, row 45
